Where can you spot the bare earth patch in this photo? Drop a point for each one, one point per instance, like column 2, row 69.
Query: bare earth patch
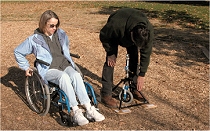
column 177, row 80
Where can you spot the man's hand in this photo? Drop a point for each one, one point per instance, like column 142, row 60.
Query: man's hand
column 29, row 72
column 111, row 60
column 140, row 83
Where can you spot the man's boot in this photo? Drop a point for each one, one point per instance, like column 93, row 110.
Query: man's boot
column 138, row 96
column 109, row 101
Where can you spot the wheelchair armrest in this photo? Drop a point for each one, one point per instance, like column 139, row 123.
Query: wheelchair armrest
column 53, row 84
column 42, row 62
column 47, row 64
column 75, row 55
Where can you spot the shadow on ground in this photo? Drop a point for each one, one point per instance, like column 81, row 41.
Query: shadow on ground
column 15, row 80
column 168, row 16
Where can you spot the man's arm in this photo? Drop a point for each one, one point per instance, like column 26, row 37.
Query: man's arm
column 145, row 54
column 109, row 39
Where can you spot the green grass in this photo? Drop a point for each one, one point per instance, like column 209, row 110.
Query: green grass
column 186, row 15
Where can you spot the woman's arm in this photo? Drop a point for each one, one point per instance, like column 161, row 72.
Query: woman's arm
column 21, row 52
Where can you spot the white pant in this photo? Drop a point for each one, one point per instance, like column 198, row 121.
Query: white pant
column 71, row 82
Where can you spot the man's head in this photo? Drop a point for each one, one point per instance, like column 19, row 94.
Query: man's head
column 140, row 35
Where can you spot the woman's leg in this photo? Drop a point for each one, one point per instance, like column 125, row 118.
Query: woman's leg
column 78, row 85
column 62, row 79
column 80, row 90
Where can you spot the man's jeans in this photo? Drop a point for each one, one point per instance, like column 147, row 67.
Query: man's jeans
column 71, row 82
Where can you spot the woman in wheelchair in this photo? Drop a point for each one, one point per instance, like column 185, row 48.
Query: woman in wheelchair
column 49, row 43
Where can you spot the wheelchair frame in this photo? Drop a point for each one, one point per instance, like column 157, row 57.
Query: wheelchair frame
column 40, row 95
column 125, row 94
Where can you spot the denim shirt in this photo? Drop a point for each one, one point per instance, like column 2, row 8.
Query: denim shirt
column 35, row 44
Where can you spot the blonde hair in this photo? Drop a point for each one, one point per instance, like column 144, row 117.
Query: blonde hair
column 45, row 17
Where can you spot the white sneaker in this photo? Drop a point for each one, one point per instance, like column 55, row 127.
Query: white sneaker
column 92, row 113
column 79, row 118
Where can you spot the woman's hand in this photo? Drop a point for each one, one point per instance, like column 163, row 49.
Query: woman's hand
column 111, row 60
column 29, row 72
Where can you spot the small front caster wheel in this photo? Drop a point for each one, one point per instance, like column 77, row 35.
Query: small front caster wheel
column 65, row 120
column 129, row 96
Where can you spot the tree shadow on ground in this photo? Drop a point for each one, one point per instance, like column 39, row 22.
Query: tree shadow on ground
column 185, row 44
column 194, row 3
column 170, row 16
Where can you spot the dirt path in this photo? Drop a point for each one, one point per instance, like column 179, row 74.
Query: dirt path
column 177, row 80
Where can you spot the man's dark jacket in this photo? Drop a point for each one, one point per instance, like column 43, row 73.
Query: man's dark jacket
column 117, row 32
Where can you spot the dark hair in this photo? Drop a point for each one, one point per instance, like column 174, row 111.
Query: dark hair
column 45, row 17
column 140, row 35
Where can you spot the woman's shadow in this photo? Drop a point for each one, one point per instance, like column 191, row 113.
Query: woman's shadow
column 15, row 79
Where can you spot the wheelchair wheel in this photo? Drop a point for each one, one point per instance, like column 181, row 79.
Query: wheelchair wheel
column 129, row 96
column 37, row 94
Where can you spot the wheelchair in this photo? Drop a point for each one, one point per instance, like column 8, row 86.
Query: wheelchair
column 129, row 85
column 40, row 96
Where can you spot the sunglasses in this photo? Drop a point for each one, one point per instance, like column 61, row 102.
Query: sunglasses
column 52, row 26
